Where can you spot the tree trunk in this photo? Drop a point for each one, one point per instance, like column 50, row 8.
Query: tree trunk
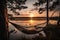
column 3, row 21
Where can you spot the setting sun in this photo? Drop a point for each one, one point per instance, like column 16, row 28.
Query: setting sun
column 31, row 15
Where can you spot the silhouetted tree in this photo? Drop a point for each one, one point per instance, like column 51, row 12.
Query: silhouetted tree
column 16, row 4
column 40, row 2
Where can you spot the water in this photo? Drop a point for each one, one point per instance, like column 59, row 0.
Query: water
column 31, row 23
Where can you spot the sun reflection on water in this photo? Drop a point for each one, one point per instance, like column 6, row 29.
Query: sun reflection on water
column 31, row 21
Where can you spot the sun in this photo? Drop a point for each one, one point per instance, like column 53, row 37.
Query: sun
column 31, row 15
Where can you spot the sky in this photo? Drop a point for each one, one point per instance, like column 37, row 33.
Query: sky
column 29, row 4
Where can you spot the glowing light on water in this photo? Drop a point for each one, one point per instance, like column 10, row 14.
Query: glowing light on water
column 31, row 21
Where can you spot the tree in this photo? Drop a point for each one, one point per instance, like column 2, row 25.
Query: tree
column 13, row 5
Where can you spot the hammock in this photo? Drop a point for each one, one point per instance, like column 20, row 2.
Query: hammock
column 24, row 30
